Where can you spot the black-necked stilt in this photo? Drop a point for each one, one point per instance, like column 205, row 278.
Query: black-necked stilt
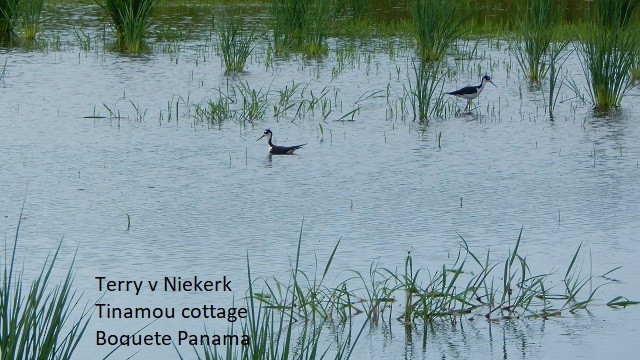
column 472, row 92
column 279, row 150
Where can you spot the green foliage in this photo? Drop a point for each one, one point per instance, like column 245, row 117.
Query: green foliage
column 609, row 51
column 35, row 321
column 302, row 25
column 426, row 95
column 284, row 323
column 22, row 15
column 29, row 17
column 535, row 24
column 286, row 318
column 235, row 45
column 614, row 14
column 438, row 25
column 471, row 285
column 130, row 19
column 555, row 64
column 8, row 13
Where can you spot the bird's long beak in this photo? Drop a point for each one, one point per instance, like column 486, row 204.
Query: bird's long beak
column 493, row 83
column 261, row 137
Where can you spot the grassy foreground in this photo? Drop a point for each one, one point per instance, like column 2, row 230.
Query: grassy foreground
column 38, row 321
column 286, row 318
column 472, row 286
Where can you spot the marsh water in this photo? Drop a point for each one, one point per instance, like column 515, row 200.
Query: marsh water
column 96, row 142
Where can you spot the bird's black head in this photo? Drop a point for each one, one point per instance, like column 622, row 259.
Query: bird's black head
column 266, row 133
column 487, row 79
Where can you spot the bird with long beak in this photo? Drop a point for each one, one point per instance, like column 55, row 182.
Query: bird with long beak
column 472, row 92
column 278, row 150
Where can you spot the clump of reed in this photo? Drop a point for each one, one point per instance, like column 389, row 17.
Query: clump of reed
column 535, row 33
column 35, row 320
column 301, row 25
column 130, row 19
column 235, row 45
column 8, row 10
column 426, row 95
column 438, row 25
column 609, row 50
column 19, row 17
column 29, row 17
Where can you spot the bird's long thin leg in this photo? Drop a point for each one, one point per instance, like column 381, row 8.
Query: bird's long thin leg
column 468, row 107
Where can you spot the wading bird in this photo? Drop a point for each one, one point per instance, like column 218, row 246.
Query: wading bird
column 279, row 150
column 472, row 92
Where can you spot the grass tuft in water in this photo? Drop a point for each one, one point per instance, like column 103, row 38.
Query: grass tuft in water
column 535, row 31
column 130, row 19
column 29, row 18
column 609, row 51
column 438, row 25
column 22, row 16
column 236, row 45
column 302, row 25
column 35, row 321
column 426, row 96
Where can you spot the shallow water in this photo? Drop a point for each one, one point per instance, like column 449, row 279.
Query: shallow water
column 201, row 198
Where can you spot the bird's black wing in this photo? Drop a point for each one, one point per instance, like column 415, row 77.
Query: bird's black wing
column 464, row 91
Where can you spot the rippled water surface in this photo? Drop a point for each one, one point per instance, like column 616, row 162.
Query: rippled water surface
column 201, row 197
